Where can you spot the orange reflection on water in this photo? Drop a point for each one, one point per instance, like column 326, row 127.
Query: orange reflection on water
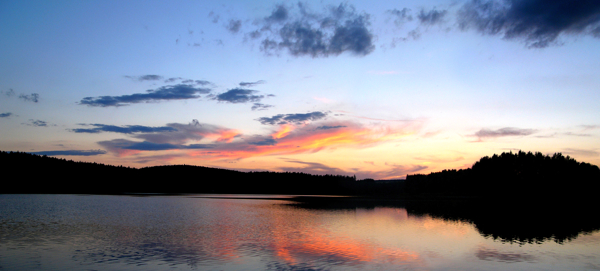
column 322, row 245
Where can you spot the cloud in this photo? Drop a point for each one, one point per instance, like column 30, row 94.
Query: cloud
column 190, row 132
column 239, row 95
column 259, row 106
column 128, row 129
column 507, row 131
column 9, row 93
column 432, row 17
column 33, row 97
column 251, row 84
column 401, row 16
column 165, row 93
column 188, row 81
column 36, row 123
column 5, row 115
column 265, row 142
column 70, row 152
column 230, row 144
column 304, row 33
column 234, row 26
column 149, row 77
column 314, row 168
column 538, row 23
column 330, row 127
column 122, row 144
column 297, row 118
column 581, row 152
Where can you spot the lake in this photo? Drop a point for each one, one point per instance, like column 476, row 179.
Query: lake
column 227, row 232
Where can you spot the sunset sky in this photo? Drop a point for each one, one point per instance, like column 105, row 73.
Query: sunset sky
column 377, row 90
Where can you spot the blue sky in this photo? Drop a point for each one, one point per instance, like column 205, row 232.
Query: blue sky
column 379, row 90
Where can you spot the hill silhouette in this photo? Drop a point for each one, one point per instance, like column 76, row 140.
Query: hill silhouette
column 508, row 175
column 512, row 175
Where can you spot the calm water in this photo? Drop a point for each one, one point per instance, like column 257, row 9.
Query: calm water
column 73, row 232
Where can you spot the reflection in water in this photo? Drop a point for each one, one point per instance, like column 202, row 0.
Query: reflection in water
column 67, row 232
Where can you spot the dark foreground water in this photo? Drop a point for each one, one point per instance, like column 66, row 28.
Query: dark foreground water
column 77, row 232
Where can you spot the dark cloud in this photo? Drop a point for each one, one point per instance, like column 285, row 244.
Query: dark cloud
column 251, row 84
column 265, row 142
column 260, row 107
column 304, row 33
column 149, row 77
column 325, row 127
column 279, row 14
column 33, row 97
column 123, row 144
column 239, row 95
column 538, row 23
column 432, row 17
column 234, row 26
column 5, row 115
column 298, row 118
column 128, row 129
column 174, row 92
column 71, row 152
column 508, row 131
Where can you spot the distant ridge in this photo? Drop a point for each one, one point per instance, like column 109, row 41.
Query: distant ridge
column 508, row 175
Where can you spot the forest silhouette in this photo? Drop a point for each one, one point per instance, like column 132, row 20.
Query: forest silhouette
column 514, row 176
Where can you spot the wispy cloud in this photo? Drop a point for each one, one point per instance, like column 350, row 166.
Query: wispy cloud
column 71, row 153
column 148, row 77
column 297, row 118
column 122, row 144
column 538, row 23
column 37, row 123
column 33, row 97
column 128, row 129
column 503, row 132
column 6, row 115
column 260, row 106
column 165, row 93
column 231, row 144
column 581, row 152
column 251, row 84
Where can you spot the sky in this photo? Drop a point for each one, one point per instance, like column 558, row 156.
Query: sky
column 376, row 89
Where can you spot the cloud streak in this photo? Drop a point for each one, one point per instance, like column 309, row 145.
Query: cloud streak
column 165, row 93
column 71, row 153
column 297, row 118
column 6, row 115
column 239, row 95
column 503, row 132
column 128, row 129
column 149, row 77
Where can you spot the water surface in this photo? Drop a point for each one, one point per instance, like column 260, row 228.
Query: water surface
column 79, row 232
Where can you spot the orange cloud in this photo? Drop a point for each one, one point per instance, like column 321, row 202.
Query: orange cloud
column 311, row 138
